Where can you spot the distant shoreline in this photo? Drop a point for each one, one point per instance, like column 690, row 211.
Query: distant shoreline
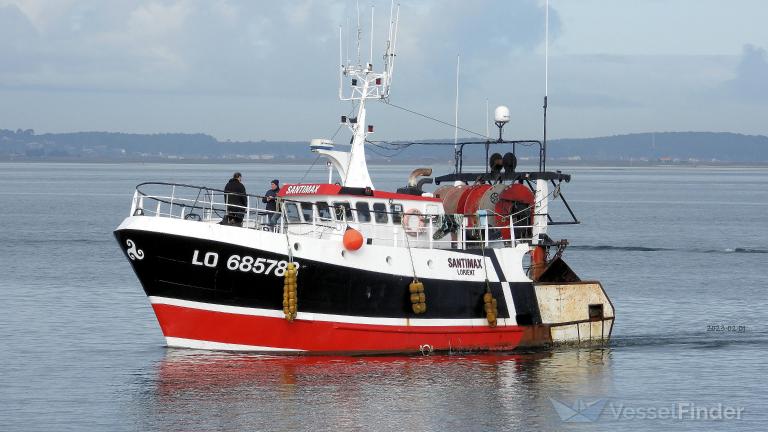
column 637, row 149
column 552, row 164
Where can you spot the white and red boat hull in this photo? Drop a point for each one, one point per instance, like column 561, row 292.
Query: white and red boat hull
column 204, row 297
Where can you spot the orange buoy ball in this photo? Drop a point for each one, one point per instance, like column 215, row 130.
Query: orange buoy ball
column 353, row 240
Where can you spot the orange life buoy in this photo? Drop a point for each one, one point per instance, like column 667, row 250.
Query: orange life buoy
column 409, row 228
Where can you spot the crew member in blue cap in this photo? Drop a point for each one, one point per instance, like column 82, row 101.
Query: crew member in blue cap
column 270, row 198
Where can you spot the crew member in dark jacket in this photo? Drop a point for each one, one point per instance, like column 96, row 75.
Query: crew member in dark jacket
column 236, row 200
column 270, row 197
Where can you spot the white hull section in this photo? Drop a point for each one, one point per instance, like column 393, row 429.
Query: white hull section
column 174, row 342
column 428, row 263
column 329, row 318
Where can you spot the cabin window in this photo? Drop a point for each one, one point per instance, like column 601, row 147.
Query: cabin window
column 292, row 213
column 397, row 213
column 380, row 213
column 363, row 211
column 306, row 211
column 324, row 211
column 343, row 209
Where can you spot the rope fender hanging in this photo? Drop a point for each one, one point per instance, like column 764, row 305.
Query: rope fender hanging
column 418, row 298
column 490, row 306
column 416, row 288
column 290, row 298
column 489, row 303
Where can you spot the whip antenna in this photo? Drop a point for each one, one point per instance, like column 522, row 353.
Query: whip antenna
column 359, row 31
column 543, row 158
column 370, row 56
column 341, row 64
column 456, row 118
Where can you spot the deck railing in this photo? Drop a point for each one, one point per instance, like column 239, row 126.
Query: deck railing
column 202, row 204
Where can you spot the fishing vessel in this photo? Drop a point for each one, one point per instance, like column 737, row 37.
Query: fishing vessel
column 347, row 268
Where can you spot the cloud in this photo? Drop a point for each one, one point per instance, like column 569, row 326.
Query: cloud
column 18, row 34
column 42, row 14
column 178, row 46
column 245, row 47
column 490, row 36
column 239, row 68
column 575, row 99
column 751, row 81
column 479, row 29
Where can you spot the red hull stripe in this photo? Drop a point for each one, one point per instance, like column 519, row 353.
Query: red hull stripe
column 266, row 333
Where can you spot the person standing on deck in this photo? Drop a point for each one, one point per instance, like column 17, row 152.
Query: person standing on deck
column 270, row 197
column 236, row 199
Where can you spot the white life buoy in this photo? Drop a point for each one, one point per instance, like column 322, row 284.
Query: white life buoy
column 411, row 228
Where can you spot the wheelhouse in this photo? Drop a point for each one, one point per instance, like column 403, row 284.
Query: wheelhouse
column 382, row 217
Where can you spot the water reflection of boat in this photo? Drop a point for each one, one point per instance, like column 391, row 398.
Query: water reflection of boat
column 183, row 372
column 205, row 390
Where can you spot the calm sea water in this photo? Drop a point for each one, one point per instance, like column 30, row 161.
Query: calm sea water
column 682, row 253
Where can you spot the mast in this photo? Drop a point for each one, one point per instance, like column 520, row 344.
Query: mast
column 541, row 206
column 543, row 157
column 364, row 84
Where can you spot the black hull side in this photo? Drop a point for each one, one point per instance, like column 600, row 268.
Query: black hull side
column 167, row 270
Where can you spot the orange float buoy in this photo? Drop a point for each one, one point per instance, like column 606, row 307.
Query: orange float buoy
column 353, row 240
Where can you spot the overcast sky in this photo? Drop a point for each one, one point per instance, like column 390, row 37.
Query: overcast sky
column 251, row 70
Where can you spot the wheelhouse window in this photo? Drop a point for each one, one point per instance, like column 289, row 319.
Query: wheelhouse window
column 363, row 211
column 306, row 211
column 397, row 213
column 292, row 213
column 324, row 211
column 343, row 209
column 380, row 213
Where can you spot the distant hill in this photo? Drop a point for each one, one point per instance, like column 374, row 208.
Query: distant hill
column 666, row 145
column 652, row 147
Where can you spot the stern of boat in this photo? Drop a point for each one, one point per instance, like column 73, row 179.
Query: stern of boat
column 575, row 313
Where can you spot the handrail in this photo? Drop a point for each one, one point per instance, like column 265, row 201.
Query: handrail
column 351, row 209
column 184, row 200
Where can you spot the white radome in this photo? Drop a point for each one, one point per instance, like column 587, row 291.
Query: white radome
column 501, row 114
